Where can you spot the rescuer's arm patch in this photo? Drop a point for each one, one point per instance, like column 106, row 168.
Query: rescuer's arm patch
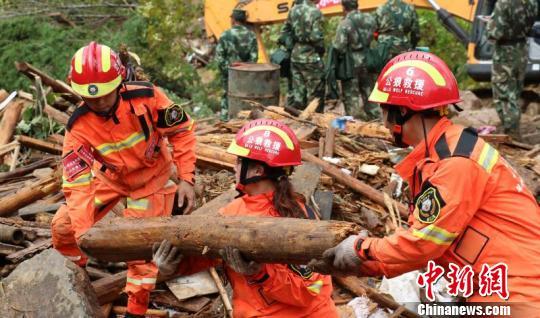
column 428, row 204
column 171, row 116
column 301, row 270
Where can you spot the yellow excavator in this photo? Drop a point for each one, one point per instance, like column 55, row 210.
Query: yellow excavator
column 479, row 49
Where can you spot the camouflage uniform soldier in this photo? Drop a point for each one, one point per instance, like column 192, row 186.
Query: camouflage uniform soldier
column 509, row 26
column 395, row 21
column 355, row 32
column 307, row 68
column 238, row 44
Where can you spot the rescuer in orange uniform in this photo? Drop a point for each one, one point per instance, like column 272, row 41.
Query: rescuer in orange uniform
column 115, row 147
column 267, row 151
column 468, row 206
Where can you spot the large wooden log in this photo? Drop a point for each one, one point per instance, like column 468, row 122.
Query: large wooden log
column 37, row 190
column 56, row 85
column 266, row 240
column 353, row 183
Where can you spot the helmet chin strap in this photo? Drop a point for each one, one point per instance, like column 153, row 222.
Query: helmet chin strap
column 111, row 113
column 398, row 120
column 270, row 173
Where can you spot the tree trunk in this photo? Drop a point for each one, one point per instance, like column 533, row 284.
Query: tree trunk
column 263, row 239
column 353, row 183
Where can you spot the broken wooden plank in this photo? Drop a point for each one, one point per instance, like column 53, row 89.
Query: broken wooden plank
column 353, row 183
column 149, row 312
column 263, row 239
column 329, row 142
column 107, row 289
column 197, row 284
column 28, row 252
column 215, row 156
column 96, row 273
column 40, row 145
column 167, row 299
column 222, row 292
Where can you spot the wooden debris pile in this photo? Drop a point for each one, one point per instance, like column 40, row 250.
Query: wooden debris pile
column 347, row 176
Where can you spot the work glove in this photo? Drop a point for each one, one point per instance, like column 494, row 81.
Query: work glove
column 234, row 259
column 166, row 257
column 342, row 258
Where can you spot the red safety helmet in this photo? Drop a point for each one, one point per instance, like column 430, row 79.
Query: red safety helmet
column 416, row 80
column 269, row 141
column 96, row 70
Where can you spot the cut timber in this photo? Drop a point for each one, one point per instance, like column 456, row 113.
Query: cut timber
column 27, row 195
column 214, row 156
column 356, row 286
column 9, row 121
column 11, row 234
column 56, row 85
column 57, row 115
column 40, row 145
column 263, row 239
column 28, row 252
column 353, row 183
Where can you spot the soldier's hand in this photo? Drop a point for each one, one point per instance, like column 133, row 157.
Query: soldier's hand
column 166, row 257
column 186, row 193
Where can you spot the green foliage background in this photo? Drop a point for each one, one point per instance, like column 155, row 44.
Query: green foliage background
column 157, row 31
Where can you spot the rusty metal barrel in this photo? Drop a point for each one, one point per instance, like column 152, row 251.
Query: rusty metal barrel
column 251, row 81
column 11, row 234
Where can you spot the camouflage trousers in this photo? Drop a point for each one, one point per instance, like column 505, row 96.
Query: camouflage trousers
column 507, row 77
column 356, row 88
column 307, row 84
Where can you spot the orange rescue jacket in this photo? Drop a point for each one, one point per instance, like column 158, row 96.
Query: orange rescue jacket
column 470, row 207
column 280, row 290
column 127, row 152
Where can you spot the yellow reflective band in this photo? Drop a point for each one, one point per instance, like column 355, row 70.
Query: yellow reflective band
column 316, row 287
column 139, row 282
column 424, row 66
column 141, row 204
column 78, row 61
column 80, row 181
column 237, row 150
column 377, row 96
column 191, row 123
column 105, row 58
column 435, row 234
column 97, row 202
column 488, row 157
column 102, row 88
column 131, row 141
column 277, row 131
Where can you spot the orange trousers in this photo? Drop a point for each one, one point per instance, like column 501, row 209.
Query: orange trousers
column 142, row 275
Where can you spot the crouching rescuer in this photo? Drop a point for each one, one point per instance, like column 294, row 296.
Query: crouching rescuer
column 115, row 148
column 468, row 206
column 267, row 152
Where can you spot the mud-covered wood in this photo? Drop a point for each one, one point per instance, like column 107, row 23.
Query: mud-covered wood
column 266, row 240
